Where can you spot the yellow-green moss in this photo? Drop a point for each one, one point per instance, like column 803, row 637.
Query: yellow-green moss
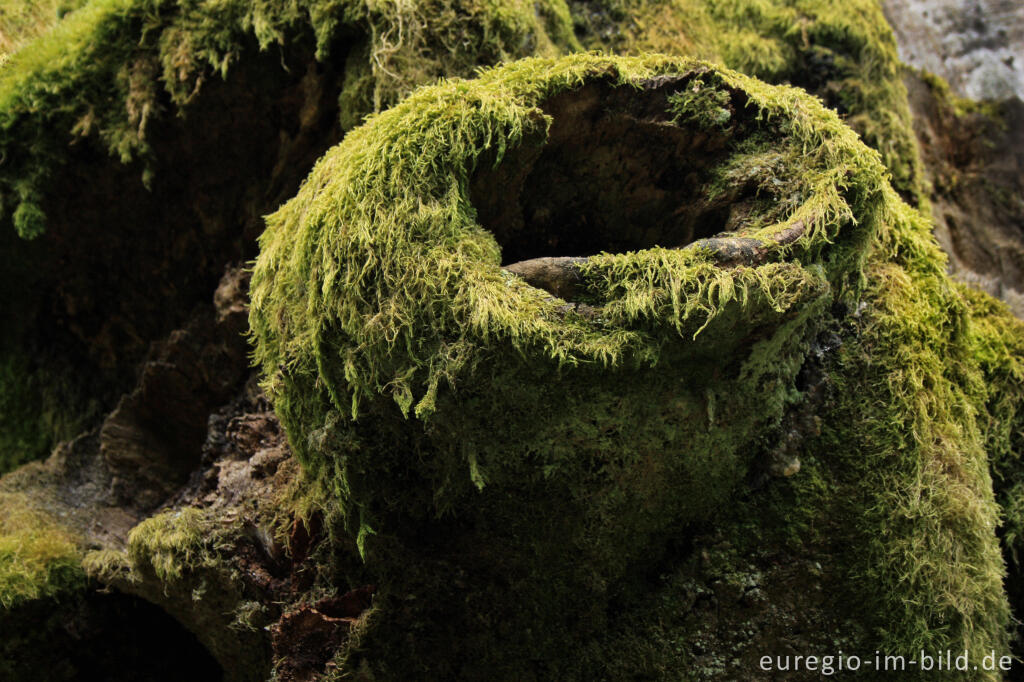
column 388, row 211
column 997, row 339
column 114, row 65
column 380, row 307
column 420, row 381
column 172, row 542
column 842, row 51
column 105, row 75
column 181, row 560
column 908, row 422
column 111, row 66
column 170, row 547
column 23, row 20
column 960, row 106
column 38, row 559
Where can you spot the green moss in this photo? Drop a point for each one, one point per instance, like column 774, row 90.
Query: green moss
column 454, row 409
column 98, row 82
column 959, row 106
column 373, row 183
column 182, row 560
column 114, row 65
column 172, row 543
column 502, row 442
column 998, row 345
column 111, row 67
column 907, row 424
column 172, row 549
column 843, row 52
column 23, row 20
column 38, row 559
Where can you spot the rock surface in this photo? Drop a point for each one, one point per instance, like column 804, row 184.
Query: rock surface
column 976, row 45
column 974, row 163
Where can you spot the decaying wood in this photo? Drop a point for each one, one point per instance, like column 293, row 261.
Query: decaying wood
column 560, row 275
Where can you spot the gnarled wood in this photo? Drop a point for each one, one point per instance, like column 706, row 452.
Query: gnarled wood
column 560, row 276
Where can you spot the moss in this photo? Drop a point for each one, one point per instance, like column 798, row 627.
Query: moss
column 114, row 66
column 997, row 338
column 907, row 423
column 110, row 72
column 172, row 543
column 460, row 415
column 480, row 438
column 23, row 20
column 111, row 68
column 182, row 561
column 100, row 112
column 959, row 106
column 38, row 559
column 843, row 52
column 369, row 185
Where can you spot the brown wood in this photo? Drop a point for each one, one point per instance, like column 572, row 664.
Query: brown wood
column 560, row 276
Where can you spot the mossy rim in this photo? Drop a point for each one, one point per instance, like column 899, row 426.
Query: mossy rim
column 403, row 270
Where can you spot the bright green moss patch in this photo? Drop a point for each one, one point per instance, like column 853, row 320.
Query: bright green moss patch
column 388, row 212
column 38, row 559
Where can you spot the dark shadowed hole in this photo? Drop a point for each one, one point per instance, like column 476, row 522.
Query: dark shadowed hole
column 615, row 175
column 108, row 637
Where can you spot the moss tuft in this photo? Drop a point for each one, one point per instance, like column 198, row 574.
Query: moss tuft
column 170, row 545
column 23, row 20
column 38, row 559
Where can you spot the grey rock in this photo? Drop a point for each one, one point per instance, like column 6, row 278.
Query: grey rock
column 976, row 45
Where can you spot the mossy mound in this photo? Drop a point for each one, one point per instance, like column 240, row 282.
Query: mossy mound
column 38, row 559
column 543, row 472
column 113, row 100
column 472, row 425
